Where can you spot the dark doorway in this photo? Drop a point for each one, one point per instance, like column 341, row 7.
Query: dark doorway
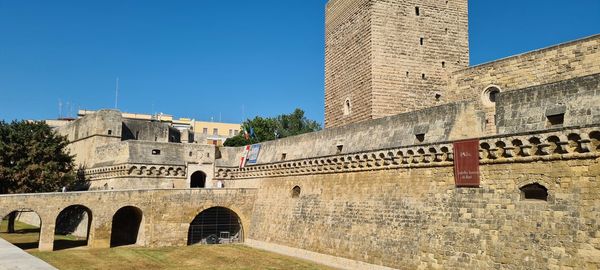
column 217, row 225
column 72, row 227
column 198, row 180
column 22, row 229
column 125, row 226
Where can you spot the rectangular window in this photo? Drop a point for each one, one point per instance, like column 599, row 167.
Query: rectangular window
column 231, row 132
column 215, row 131
column 205, row 131
column 417, row 11
column 155, row 152
column 556, row 120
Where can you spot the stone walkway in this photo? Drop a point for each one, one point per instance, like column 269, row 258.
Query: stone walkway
column 13, row 258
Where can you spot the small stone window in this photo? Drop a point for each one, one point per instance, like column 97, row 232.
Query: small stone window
column 109, row 132
column 420, row 137
column 340, row 148
column 417, row 11
column 155, row 152
column 443, row 64
column 283, row 156
column 423, row 76
column 489, row 95
column 191, row 153
column 534, row 192
column 347, row 107
column 422, row 40
column 556, row 120
column 296, row 192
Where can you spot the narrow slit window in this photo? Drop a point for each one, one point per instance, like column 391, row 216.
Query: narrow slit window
column 423, row 76
column 443, row 64
column 283, row 156
column 417, row 11
column 155, row 152
column 422, row 40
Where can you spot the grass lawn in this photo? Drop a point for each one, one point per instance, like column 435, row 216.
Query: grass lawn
column 227, row 257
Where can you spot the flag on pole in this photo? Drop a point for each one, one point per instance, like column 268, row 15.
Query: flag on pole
column 244, row 157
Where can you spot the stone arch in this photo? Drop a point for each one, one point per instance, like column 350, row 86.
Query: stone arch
column 489, row 95
column 534, row 191
column 216, row 225
column 198, row 179
column 126, row 226
column 23, row 221
column 76, row 221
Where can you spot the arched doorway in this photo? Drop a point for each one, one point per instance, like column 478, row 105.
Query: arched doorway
column 22, row 229
column 126, row 226
column 72, row 227
column 198, row 180
column 217, row 225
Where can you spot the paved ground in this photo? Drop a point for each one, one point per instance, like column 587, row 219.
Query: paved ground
column 13, row 258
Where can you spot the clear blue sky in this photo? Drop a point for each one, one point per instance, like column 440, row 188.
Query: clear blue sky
column 203, row 59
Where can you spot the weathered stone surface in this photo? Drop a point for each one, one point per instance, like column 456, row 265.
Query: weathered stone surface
column 167, row 213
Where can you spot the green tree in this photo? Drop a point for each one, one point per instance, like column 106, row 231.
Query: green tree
column 33, row 158
column 267, row 129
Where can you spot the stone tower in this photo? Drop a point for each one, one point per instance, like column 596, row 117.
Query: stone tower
column 384, row 57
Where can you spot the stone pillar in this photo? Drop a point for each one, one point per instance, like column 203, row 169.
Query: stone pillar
column 47, row 235
column 99, row 237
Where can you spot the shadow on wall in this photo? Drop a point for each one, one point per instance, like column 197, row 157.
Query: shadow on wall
column 126, row 226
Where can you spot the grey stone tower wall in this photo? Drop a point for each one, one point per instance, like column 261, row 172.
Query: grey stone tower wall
column 386, row 59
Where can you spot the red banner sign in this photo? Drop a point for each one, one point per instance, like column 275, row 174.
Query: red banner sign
column 466, row 163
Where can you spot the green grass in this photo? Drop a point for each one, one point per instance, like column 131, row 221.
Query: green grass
column 226, row 257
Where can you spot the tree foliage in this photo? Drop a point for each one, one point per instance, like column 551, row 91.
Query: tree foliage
column 33, row 158
column 271, row 128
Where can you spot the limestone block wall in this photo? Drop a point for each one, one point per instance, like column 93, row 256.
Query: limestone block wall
column 348, row 57
column 399, row 207
column 553, row 64
column 387, row 57
column 561, row 62
column 578, row 100
column 436, row 124
column 167, row 214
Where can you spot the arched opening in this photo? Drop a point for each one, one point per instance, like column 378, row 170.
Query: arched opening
column 126, row 226
column 217, row 225
column 22, row 229
column 198, row 180
column 296, row 192
column 72, row 227
column 534, row 191
column 490, row 94
column 347, row 107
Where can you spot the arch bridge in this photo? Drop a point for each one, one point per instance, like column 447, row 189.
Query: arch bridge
column 151, row 218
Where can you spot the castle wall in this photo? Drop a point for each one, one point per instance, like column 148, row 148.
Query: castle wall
column 565, row 61
column 348, row 61
column 402, row 209
column 441, row 123
column 84, row 134
column 528, row 109
column 553, row 64
column 141, row 164
column 389, row 57
column 408, row 72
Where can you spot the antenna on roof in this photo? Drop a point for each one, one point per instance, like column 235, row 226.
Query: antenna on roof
column 59, row 109
column 117, row 94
